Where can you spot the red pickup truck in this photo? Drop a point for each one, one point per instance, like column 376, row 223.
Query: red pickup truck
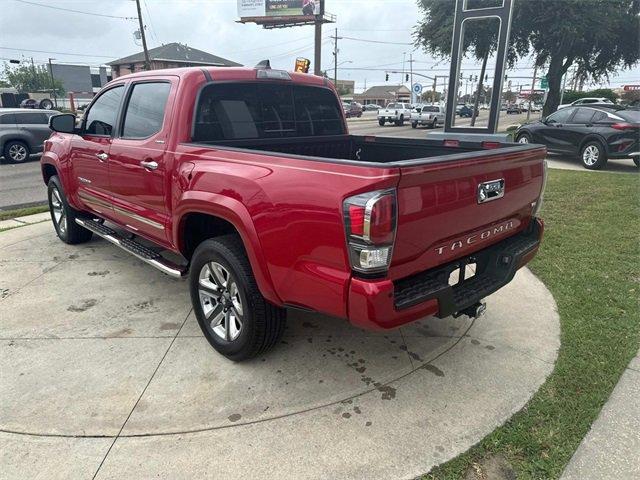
column 248, row 181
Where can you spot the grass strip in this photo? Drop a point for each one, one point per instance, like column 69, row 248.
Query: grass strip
column 590, row 261
column 22, row 212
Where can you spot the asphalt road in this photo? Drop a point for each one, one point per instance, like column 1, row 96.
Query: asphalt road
column 21, row 185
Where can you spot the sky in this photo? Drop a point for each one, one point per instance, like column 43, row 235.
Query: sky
column 28, row 30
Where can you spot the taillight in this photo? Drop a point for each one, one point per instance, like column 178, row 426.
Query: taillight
column 488, row 145
column 537, row 205
column 370, row 221
column 624, row 126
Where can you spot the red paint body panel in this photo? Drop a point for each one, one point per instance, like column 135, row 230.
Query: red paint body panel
column 288, row 210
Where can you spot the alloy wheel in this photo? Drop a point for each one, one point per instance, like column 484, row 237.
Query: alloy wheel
column 220, row 301
column 523, row 139
column 18, row 153
column 591, row 155
column 59, row 214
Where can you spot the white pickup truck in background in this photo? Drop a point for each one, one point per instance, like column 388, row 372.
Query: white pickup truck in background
column 394, row 113
column 429, row 115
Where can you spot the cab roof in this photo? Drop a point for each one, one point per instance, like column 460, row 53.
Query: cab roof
column 223, row 74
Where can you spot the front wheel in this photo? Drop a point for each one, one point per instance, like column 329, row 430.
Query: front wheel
column 381, row 122
column 234, row 317
column 16, row 151
column 64, row 215
column 414, row 124
column 593, row 155
column 523, row 138
column 636, row 160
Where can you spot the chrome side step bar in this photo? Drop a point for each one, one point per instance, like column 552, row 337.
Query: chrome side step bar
column 136, row 249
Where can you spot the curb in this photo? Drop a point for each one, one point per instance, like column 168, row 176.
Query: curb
column 24, row 221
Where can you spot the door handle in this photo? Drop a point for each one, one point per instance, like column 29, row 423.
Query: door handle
column 149, row 165
column 102, row 156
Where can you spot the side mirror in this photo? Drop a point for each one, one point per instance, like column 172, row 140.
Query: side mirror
column 63, row 123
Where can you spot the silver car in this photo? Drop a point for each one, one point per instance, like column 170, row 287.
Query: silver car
column 23, row 132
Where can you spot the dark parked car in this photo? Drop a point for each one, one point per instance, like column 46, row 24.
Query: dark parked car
column 23, row 132
column 353, row 109
column 45, row 103
column 514, row 109
column 464, row 111
column 595, row 133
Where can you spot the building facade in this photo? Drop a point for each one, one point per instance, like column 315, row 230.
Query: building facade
column 383, row 94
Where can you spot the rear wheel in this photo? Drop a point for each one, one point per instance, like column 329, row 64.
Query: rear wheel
column 593, row 155
column 381, row 122
column 414, row 124
column 636, row 160
column 234, row 317
column 64, row 215
column 16, row 151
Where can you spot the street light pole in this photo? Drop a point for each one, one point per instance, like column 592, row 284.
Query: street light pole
column 147, row 63
column 533, row 86
column 53, row 84
column 335, row 59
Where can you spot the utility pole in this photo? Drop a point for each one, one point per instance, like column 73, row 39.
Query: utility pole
column 533, row 86
column 147, row 63
column 317, row 55
column 335, row 59
column 411, row 76
column 53, row 83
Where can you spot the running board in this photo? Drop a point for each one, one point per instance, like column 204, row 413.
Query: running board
column 136, row 249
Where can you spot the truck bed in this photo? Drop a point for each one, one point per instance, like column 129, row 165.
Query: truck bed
column 356, row 149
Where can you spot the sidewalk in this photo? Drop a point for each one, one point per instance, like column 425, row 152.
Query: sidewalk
column 611, row 449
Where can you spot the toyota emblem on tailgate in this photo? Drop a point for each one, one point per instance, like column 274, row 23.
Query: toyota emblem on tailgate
column 491, row 190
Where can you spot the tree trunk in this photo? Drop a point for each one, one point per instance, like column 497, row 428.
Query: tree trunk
column 480, row 83
column 556, row 70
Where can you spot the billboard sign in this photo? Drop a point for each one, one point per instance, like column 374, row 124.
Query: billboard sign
column 279, row 8
column 631, row 88
column 302, row 65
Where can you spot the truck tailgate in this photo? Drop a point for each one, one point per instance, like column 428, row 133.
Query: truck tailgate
column 440, row 217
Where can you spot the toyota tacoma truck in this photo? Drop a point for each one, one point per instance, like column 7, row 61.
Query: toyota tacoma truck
column 247, row 182
column 395, row 113
column 429, row 115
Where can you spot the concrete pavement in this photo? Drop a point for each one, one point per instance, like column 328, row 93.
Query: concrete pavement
column 611, row 449
column 104, row 371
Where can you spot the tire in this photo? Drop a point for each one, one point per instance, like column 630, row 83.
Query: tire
column 636, row 160
column 246, row 324
column 433, row 124
column 16, row 151
column 523, row 137
column 401, row 120
column 64, row 215
column 46, row 104
column 593, row 155
column 414, row 124
column 381, row 122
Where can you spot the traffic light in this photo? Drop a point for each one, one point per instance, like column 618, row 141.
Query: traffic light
column 486, row 77
column 406, row 77
column 505, row 77
column 471, row 78
column 386, row 77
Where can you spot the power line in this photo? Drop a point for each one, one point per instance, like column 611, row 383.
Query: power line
column 57, row 53
column 153, row 28
column 75, row 11
column 375, row 41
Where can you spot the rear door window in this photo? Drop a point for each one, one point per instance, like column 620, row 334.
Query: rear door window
column 101, row 117
column 145, row 109
column 236, row 111
column 31, row 118
column 582, row 116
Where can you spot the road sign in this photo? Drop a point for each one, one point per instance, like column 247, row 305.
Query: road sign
column 417, row 88
column 544, row 83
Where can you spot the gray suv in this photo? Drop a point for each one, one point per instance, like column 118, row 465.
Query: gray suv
column 23, row 132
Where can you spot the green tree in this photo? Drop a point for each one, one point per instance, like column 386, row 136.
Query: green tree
column 598, row 37
column 32, row 78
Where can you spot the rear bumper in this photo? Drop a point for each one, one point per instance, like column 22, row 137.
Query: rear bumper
column 384, row 304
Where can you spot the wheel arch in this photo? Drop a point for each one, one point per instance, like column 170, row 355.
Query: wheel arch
column 198, row 219
column 591, row 137
column 48, row 171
